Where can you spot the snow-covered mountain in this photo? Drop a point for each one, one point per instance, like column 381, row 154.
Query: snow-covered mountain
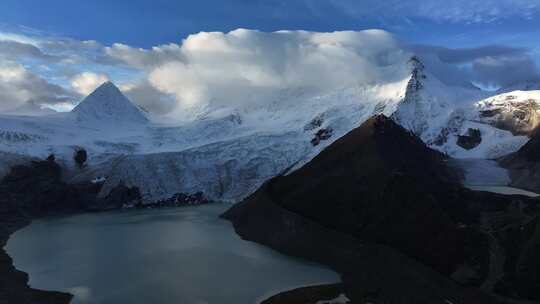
column 228, row 153
column 107, row 105
column 466, row 122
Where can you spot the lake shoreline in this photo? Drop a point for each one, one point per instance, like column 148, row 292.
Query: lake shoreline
column 307, row 294
column 210, row 212
column 14, row 287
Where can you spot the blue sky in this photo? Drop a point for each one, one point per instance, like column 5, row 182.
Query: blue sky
column 69, row 45
column 146, row 23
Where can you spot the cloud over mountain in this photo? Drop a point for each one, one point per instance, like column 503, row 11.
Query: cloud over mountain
column 244, row 65
column 86, row 82
column 18, row 85
column 240, row 67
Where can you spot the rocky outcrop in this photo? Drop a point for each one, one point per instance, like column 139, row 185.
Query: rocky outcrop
column 37, row 189
column 524, row 165
column 386, row 212
column 514, row 113
column 471, row 140
column 322, row 134
column 181, row 199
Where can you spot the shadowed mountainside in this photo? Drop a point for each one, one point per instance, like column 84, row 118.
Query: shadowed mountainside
column 386, row 212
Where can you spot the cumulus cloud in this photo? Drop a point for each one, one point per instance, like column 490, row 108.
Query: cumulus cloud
column 86, row 82
column 506, row 70
column 143, row 58
column 148, row 97
column 462, row 55
column 18, row 86
column 13, row 50
column 243, row 66
column 490, row 66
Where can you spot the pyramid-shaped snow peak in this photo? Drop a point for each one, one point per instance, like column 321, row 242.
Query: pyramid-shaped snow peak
column 108, row 104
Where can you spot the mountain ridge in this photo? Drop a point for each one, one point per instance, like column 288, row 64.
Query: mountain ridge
column 360, row 204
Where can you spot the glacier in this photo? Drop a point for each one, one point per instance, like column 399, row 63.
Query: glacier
column 227, row 153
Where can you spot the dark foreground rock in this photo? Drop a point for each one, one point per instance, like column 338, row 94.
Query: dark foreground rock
column 522, row 242
column 386, row 212
column 179, row 200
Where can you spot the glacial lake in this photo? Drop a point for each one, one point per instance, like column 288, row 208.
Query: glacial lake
column 175, row 255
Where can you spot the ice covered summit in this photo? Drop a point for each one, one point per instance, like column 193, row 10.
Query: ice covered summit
column 108, row 105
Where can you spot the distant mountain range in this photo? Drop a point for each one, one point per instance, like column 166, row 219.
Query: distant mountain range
column 229, row 152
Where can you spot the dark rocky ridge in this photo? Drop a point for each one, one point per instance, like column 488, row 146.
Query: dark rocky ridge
column 385, row 211
column 523, row 241
column 471, row 140
column 524, row 165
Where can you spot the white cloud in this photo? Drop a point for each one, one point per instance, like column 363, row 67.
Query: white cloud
column 141, row 58
column 86, row 82
column 243, row 66
column 18, row 85
column 505, row 70
column 148, row 97
column 13, row 50
column 7, row 36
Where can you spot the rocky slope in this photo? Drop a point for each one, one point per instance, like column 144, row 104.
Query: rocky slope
column 365, row 210
column 524, row 165
column 517, row 111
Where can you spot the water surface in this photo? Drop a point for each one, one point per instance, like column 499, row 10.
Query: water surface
column 183, row 255
column 503, row 190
